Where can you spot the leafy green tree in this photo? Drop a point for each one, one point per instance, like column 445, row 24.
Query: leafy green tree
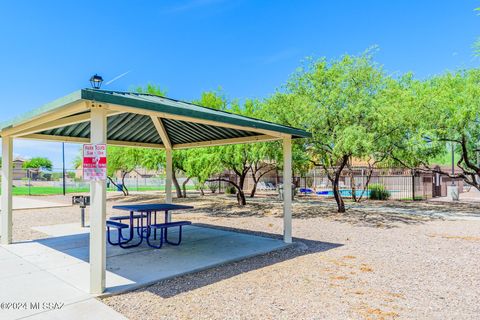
column 38, row 163
column 152, row 89
column 443, row 112
column 338, row 102
column 123, row 160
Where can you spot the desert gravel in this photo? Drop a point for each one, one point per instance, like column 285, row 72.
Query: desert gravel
column 377, row 261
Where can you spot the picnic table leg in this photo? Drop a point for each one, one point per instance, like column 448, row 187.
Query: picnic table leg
column 131, row 225
column 155, row 231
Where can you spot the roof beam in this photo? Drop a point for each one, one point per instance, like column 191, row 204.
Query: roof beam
column 56, row 114
column 63, row 122
column 162, row 132
column 222, row 142
column 195, row 120
column 45, row 137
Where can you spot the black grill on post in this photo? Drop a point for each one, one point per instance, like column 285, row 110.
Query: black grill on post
column 83, row 202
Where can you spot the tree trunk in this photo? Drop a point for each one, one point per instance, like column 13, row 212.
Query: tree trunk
column 124, row 187
column 177, row 185
column 337, row 195
column 116, row 185
column 241, row 197
column 184, row 187
column 240, row 194
column 255, row 181
column 335, row 182
column 254, row 189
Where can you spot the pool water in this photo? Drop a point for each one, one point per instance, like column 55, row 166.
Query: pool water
column 344, row 193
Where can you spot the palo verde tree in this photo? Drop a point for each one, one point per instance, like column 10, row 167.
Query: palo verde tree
column 444, row 112
column 38, row 163
column 122, row 161
column 35, row 165
column 239, row 158
column 337, row 101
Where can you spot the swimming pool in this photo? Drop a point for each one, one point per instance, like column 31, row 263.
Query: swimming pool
column 344, row 193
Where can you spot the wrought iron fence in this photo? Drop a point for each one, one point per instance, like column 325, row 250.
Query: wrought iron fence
column 400, row 183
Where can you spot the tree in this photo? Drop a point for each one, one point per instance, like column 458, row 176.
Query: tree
column 201, row 164
column 38, row 163
column 338, row 102
column 443, row 112
column 123, row 160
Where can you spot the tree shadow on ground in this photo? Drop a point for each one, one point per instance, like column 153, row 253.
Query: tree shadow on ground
column 378, row 214
column 382, row 217
column 181, row 284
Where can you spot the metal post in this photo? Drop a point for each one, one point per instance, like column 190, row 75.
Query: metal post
column 413, row 185
column 63, row 169
column 82, row 216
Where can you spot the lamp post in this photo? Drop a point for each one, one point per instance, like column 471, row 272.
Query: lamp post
column 96, row 81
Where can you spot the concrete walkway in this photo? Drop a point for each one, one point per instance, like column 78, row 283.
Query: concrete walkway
column 472, row 196
column 35, row 291
column 57, row 270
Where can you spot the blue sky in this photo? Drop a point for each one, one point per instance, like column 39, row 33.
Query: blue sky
column 249, row 48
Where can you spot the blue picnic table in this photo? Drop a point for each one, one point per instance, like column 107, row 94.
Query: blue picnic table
column 146, row 217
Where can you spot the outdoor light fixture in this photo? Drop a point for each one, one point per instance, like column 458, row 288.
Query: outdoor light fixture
column 96, row 81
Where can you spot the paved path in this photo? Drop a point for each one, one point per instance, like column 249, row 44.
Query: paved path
column 36, row 290
column 21, row 203
column 472, row 196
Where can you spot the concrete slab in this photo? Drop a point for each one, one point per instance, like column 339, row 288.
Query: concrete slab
column 66, row 229
column 56, row 269
column 20, row 203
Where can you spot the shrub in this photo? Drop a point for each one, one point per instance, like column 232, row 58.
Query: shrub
column 212, row 186
column 230, row 190
column 378, row 192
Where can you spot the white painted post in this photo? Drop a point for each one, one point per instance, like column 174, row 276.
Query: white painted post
column 287, row 190
column 98, row 195
column 168, row 180
column 169, row 175
column 7, row 176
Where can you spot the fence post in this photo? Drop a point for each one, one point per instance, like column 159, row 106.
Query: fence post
column 413, row 185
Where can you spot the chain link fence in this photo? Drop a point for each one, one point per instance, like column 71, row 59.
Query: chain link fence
column 32, row 181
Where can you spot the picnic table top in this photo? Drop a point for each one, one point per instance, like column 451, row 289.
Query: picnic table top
column 152, row 207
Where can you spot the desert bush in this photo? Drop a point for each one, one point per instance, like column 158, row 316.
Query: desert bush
column 378, row 192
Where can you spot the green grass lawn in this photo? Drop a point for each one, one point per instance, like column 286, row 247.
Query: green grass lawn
column 36, row 191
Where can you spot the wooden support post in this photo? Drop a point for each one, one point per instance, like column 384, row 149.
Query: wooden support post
column 7, row 176
column 98, row 195
column 287, row 190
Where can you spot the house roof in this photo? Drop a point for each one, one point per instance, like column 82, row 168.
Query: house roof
column 140, row 119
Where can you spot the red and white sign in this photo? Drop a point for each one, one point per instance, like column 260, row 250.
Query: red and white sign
column 94, row 162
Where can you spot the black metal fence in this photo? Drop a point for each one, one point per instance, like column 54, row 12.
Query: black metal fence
column 400, row 183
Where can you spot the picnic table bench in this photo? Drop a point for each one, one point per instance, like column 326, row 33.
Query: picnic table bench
column 145, row 224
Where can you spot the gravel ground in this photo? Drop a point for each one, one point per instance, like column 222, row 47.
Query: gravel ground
column 377, row 261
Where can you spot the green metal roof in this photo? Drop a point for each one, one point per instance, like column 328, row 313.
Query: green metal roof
column 137, row 127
